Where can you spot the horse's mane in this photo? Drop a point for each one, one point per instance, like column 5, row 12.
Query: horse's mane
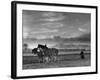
column 42, row 46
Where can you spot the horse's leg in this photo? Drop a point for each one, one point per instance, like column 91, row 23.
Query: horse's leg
column 49, row 59
column 55, row 58
column 43, row 59
column 39, row 60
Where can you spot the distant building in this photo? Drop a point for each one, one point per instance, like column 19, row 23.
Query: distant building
column 57, row 37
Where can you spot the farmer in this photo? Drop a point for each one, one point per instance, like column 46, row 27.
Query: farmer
column 82, row 54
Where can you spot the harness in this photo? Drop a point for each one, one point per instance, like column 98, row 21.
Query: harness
column 40, row 50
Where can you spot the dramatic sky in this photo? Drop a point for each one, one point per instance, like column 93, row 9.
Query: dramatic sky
column 45, row 24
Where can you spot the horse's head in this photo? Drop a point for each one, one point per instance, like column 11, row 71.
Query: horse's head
column 37, row 50
column 34, row 50
column 42, row 46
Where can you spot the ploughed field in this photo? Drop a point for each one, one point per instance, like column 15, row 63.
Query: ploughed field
column 31, row 61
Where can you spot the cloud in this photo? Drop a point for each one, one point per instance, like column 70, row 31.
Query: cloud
column 25, row 32
column 85, row 28
column 82, row 29
column 43, row 30
column 25, row 35
column 41, row 37
column 52, row 25
column 52, row 19
column 51, row 16
column 72, row 35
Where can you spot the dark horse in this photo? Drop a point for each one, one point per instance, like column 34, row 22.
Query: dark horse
column 50, row 54
column 39, row 54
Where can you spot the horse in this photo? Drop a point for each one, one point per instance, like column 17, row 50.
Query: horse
column 43, row 49
column 39, row 54
column 54, row 54
column 49, row 53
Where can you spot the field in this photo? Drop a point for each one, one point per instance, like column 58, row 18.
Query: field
column 64, row 60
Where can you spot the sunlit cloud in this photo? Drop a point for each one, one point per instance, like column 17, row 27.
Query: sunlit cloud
column 52, row 19
column 82, row 29
column 86, row 25
column 25, row 32
column 43, row 36
column 53, row 25
column 43, row 30
column 72, row 35
column 25, row 35
column 51, row 16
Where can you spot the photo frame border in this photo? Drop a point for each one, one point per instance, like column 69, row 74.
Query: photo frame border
column 14, row 38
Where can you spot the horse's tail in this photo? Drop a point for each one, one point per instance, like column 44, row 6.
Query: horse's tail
column 57, row 52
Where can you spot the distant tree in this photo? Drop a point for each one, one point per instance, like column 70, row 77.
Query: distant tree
column 25, row 46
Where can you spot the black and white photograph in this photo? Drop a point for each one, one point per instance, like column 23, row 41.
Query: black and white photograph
column 54, row 40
